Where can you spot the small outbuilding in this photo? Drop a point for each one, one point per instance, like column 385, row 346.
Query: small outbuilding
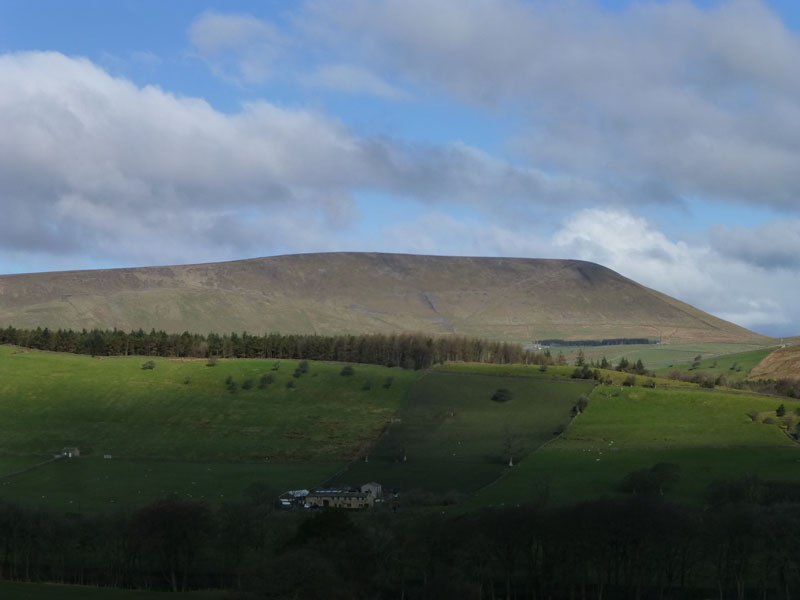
column 292, row 499
column 71, row 452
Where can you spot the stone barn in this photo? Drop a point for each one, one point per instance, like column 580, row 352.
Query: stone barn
column 339, row 499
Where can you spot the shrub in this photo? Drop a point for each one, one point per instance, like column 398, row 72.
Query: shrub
column 298, row 372
column 247, row 384
column 212, row 361
column 290, row 384
column 367, row 385
column 276, row 365
column 753, row 414
column 187, row 381
column 502, row 395
column 265, row 380
column 629, row 381
column 769, row 421
column 347, row 371
column 650, row 383
column 149, row 365
column 543, row 367
column 303, row 366
column 388, row 383
column 780, row 411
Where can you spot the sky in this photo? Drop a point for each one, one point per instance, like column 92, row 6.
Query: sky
column 658, row 138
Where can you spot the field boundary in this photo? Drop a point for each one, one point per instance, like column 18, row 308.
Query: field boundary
column 539, row 447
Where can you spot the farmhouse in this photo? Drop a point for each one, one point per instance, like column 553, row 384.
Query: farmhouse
column 345, row 498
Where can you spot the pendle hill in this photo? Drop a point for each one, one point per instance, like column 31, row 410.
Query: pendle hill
column 513, row 299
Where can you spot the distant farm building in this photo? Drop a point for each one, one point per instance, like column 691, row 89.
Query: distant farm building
column 339, row 499
column 293, row 499
column 71, row 452
column 374, row 489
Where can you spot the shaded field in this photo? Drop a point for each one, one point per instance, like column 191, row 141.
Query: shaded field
column 454, row 436
column 182, row 410
column 48, row 591
column 734, row 367
column 709, row 435
column 92, row 484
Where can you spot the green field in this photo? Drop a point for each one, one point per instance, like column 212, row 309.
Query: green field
column 734, row 367
column 454, row 435
column 93, row 484
column 707, row 433
column 166, row 436
column 552, row 372
column 658, row 357
column 113, row 406
column 48, row 591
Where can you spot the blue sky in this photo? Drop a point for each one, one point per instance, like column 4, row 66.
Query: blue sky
column 658, row 138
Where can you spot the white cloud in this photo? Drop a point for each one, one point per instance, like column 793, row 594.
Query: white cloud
column 695, row 273
column 91, row 163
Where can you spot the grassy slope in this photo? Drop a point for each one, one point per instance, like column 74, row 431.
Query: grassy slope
column 663, row 357
column 550, row 373
column 166, row 436
column 707, row 433
column 112, row 406
column 735, row 367
column 498, row 298
column 454, row 433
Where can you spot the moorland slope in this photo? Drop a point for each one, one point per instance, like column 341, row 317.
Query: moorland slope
column 511, row 299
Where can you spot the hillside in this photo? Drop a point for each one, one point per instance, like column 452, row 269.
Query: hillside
column 784, row 363
column 498, row 298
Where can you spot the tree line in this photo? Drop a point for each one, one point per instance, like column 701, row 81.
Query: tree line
column 742, row 544
column 407, row 350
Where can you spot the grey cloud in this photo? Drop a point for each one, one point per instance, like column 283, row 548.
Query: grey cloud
column 240, row 48
column 94, row 163
column 774, row 245
column 699, row 101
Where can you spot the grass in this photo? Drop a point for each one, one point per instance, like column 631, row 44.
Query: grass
column 735, row 367
column 113, row 406
column 550, row 373
column 52, row 591
column 658, row 357
column 707, row 433
column 168, row 437
column 93, row 484
column 454, row 434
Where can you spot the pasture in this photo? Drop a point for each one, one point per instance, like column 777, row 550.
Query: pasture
column 708, row 434
column 450, row 435
column 734, row 367
column 552, row 372
column 659, row 356
column 178, row 429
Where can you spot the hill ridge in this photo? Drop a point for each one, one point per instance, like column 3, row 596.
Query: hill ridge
column 504, row 298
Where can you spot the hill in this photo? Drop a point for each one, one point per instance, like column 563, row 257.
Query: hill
column 784, row 363
column 511, row 299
